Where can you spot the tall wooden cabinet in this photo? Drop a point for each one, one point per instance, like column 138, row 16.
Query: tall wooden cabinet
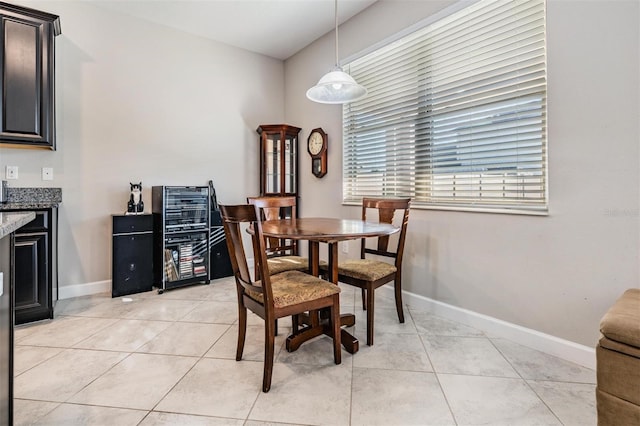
column 27, row 66
column 278, row 160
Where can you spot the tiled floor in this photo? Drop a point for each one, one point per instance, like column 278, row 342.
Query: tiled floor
column 170, row 360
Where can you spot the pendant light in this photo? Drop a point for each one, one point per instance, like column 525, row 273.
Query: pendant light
column 336, row 86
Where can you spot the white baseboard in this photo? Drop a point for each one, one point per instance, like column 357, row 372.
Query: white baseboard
column 493, row 327
column 69, row 291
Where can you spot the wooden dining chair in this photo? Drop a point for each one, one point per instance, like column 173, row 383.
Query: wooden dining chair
column 274, row 296
column 369, row 274
column 282, row 254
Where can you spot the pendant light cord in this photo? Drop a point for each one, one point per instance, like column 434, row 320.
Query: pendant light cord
column 336, row 16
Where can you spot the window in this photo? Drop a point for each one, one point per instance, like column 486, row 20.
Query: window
column 456, row 113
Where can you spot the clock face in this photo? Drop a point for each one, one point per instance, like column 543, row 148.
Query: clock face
column 315, row 143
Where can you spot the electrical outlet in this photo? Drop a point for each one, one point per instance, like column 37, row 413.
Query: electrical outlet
column 47, row 173
column 12, row 172
column 345, row 247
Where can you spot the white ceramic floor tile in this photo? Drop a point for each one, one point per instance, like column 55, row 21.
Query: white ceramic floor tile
column 26, row 357
column 533, row 364
column 22, row 331
column 253, row 319
column 64, row 332
column 138, row 382
column 185, row 338
column 226, row 346
column 66, row 306
column 216, row 387
column 191, row 292
column 317, row 351
column 171, row 419
column 170, row 374
column 160, row 309
column 82, row 415
column 466, row 355
column 213, row 312
column 393, row 352
column 306, row 394
column 99, row 307
column 348, row 297
column 430, row 324
column 26, row 412
column 259, row 423
column 60, row 377
column 477, row 400
column 385, row 321
column 387, row 397
column 224, row 290
column 124, row 335
column 573, row 403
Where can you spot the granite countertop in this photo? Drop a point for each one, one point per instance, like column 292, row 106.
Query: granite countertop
column 28, row 205
column 9, row 222
column 32, row 198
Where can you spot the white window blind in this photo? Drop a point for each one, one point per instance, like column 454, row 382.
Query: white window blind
column 456, row 113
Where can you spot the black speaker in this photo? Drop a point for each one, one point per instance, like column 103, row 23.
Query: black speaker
column 132, row 260
column 219, row 261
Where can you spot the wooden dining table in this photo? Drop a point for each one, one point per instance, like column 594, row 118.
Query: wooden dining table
column 331, row 231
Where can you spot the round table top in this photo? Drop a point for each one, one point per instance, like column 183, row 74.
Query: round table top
column 325, row 229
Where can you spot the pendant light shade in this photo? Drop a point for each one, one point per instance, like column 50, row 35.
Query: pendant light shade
column 336, row 86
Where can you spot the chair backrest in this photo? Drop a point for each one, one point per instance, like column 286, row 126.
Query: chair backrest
column 387, row 208
column 232, row 218
column 273, row 208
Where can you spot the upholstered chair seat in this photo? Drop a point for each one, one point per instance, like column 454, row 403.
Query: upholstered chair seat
column 294, row 287
column 281, row 264
column 366, row 269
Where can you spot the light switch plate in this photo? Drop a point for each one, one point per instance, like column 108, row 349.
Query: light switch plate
column 12, row 172
column 47, row 173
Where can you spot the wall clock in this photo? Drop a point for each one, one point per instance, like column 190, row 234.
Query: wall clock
column 317, row 147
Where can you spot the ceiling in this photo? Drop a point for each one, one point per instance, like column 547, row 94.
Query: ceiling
column 276, row 28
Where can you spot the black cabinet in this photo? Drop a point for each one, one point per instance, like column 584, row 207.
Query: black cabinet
column 32, row 295
column 6, row 332
column 27, row 65
column 35, row 257
column 132, row 256
column 219, row 263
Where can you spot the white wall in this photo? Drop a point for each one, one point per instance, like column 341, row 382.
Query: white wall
column 556, row 274
column 137, row 101
column 140, row 102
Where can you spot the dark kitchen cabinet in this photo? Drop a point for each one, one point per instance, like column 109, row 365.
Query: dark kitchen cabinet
column 6, row 331
column 27, row 67
column 33, row 300
column 35, row 257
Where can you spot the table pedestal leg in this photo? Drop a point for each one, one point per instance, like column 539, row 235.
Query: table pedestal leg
column 319, row 324
column 310, row 330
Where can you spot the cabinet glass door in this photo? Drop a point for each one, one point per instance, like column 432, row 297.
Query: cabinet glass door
column 290, row 164
column 272, row 163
